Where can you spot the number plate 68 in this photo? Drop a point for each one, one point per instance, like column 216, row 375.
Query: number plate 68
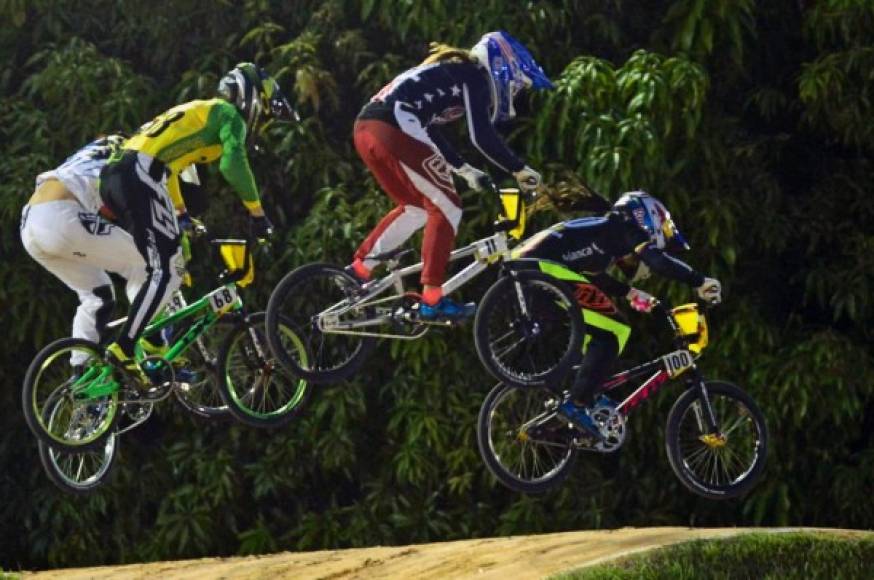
column 223, row 299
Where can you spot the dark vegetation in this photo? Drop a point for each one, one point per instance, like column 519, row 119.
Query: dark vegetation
column 752, row 120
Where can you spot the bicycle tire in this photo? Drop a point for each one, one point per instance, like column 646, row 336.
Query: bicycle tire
column 108, row 408
column 238, row 390
column 680, row 461
column 553, row 329
column 496, row 449
column 51, row 460
column 297, row 299
column 204, row 399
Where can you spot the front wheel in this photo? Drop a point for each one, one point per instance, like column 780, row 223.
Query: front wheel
column 257, row 390
column 198, row 382
column 529, row 329
column 298, row 299
column 56, row 407
column 522, row 441
column 724, row 463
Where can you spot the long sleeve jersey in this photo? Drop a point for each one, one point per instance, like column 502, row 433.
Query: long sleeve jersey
column 591, row 245
column 200, row 132
column 439, row 93
column 80, row 173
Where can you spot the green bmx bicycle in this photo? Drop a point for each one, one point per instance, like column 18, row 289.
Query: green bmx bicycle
column 73, row 399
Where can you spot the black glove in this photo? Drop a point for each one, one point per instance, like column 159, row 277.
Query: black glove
column 193, row 226
column 261, row 227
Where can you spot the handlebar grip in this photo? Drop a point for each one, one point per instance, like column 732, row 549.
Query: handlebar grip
column 487, row 183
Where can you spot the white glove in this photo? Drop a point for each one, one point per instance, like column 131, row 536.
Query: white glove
column 640, row 300
column 710, row 291
column 527, row 178
column 474, row 177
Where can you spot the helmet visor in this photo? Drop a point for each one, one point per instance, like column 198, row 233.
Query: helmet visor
column 673, row 238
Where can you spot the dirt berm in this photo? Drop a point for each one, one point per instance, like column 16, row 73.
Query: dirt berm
column 516, row 557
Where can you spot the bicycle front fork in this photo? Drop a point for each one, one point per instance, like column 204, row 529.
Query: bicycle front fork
column 704, row 413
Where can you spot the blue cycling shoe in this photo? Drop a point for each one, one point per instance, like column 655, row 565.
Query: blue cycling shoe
column 580, row 418
column 187, row 375
column 446, row 309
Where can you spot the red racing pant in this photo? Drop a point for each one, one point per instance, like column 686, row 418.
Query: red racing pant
column 417, row 178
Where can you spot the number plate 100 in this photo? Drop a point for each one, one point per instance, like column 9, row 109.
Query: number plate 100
column 223, row 299
column 678, row 361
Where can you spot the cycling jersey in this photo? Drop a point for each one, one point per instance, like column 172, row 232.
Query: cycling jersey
column 80, row 172
column 200, row 132
column 591, row 245
column 439, row 93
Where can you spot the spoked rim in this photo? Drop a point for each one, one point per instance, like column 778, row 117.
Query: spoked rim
column 74, row 422
column 267, row 390
column 81, row 470
column 300, row 307
column 525, row 437
column 724, row 460
column 530, row 346
column 203, row 396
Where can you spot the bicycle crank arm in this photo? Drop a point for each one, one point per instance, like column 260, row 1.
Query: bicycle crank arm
column 137, row 422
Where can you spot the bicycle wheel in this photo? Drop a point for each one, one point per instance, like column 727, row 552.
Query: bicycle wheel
column 522, row 441
column 528, row 329
column 52, row 388
column 76, row 473
column 258, row 391
column 297, row 300
column 724, row 465
column 200, row 391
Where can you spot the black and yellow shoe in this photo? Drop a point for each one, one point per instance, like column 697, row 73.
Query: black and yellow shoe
column 128, row 365
column 160, row 350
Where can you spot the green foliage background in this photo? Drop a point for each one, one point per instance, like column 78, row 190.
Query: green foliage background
column 751, row 119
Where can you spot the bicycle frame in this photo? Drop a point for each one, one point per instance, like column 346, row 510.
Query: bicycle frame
column 485, row 252
column 665, row 370
column 98, row 381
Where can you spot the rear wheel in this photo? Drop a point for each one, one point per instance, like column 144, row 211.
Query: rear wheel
column 297, row 300
column 55, row 407
column 258, row 391
column 718, row 465
column 528, row 329
column 78, row 473
column 522, row 441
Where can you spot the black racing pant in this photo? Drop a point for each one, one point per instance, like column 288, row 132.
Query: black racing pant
column 601, row 352
column 604, row 325
column 135, row 189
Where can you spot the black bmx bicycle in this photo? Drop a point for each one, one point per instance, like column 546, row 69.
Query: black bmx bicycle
column 716, row 438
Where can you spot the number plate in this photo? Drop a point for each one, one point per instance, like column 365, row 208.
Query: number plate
column 223, row 299
column 678, row 361
column 176, row 304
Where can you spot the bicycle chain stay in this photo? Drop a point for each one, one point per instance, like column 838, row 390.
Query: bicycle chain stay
column 90, row 386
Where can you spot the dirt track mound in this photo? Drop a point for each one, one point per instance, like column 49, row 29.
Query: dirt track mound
column 515, row 557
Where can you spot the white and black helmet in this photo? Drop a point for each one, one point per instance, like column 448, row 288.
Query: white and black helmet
column 255, row 94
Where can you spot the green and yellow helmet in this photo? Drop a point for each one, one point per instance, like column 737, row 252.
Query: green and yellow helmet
column 255, row 94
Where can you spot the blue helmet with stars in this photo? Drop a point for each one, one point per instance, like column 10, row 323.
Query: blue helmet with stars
column 511, row 68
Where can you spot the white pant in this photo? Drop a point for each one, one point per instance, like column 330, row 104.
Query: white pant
column 79, row 248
